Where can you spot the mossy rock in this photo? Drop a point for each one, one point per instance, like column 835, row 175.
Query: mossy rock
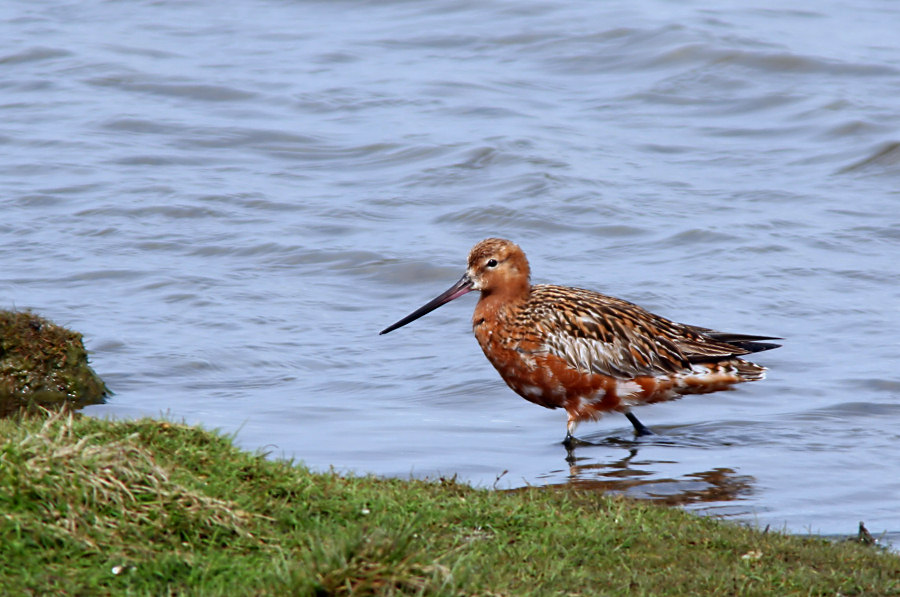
column 43, row 364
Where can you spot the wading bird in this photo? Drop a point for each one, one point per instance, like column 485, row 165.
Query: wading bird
column 586, row 352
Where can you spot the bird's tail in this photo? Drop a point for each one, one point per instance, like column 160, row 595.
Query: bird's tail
column 745, row 341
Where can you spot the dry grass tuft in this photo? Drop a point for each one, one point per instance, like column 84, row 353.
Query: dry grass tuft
column 374, row 562
column 90, row 492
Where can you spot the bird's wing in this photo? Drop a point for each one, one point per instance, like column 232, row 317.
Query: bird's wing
column 605, row 335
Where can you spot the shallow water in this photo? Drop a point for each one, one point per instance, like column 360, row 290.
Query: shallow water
column 231, row 200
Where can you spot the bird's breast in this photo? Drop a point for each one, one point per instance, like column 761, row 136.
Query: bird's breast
column 515, row 352
column 520, row 355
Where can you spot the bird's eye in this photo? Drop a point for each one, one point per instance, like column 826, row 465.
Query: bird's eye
column 492, row 263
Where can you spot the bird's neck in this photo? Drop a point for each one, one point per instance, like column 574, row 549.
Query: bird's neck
column 501, row 303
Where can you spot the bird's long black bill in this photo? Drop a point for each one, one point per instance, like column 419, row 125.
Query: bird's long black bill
column 463, row 286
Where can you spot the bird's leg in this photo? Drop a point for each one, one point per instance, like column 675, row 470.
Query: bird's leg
column 639, row 428
column 570, row 441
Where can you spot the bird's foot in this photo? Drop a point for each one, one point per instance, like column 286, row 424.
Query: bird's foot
column 640, row 429
column 644, row 431
column 571, row 442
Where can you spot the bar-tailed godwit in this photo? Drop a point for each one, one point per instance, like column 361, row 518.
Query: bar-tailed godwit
column 589, row 353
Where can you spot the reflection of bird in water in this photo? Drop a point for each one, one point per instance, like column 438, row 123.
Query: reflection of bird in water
column 587, row 352
column 633, row 478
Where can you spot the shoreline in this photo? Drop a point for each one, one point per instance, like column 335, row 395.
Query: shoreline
column 148, row 507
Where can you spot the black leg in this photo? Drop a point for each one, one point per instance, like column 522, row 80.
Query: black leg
column 639, row 428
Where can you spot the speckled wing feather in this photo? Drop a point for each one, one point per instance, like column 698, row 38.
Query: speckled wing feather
column 605, row 335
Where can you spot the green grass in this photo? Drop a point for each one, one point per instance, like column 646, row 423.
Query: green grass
column 90, row 507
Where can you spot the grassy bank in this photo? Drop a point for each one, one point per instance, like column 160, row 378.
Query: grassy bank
column 90, row 507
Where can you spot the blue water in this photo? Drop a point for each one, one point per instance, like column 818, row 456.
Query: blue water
column 230, row 200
